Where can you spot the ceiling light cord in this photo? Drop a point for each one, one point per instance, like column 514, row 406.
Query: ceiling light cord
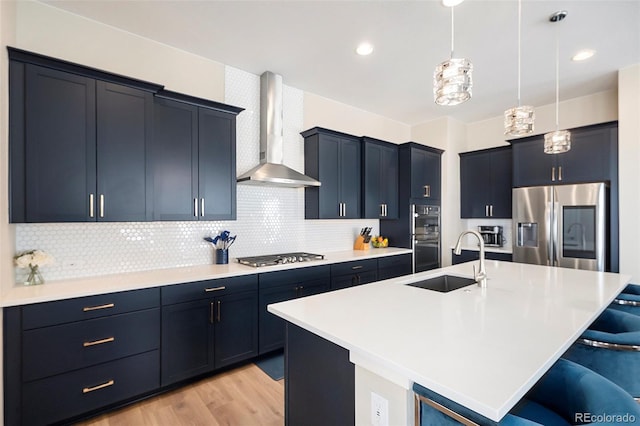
column 557, row 78
column 452, row 7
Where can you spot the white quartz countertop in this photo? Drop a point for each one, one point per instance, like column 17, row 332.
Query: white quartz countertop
column 89, row 286
column 483, row 348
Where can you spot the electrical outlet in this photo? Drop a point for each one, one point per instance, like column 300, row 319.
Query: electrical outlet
column 379, row 410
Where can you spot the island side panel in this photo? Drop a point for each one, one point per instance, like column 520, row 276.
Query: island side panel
column 319, row 381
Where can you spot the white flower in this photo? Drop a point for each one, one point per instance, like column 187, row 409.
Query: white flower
column 31, row 258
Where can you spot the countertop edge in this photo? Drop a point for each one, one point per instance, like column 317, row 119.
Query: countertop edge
column 103, row 284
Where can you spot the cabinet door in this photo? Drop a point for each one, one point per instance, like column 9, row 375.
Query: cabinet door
column 236, row 327
column 350, row 175
column 173, row 159
column 217, row 165
column 271, row 326
column 187, row 340
column 124, row 130
column 60, row 155
column 425, row 175
column 475, row 185
column 501, row 183
column 310, row 288
column 372, row 180
column 589, row 157
column 389, row 181
column 330, row 177
column 531, row 166
column 380, row 184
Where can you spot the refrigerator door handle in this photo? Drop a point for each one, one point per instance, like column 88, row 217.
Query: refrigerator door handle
column 549, row 232
column 413, row 238
column 556, row 231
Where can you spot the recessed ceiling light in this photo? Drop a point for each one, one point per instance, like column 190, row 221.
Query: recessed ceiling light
column 364, row 49
column 451, row 3
column 583, row 54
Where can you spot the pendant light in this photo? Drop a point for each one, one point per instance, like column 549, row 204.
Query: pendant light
column 558, row 141
column 518, row 121
column 452, row 78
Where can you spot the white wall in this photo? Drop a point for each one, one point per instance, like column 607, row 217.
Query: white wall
column 330, row 114
column 629, row 170
column 53, row 32
column 596, row 108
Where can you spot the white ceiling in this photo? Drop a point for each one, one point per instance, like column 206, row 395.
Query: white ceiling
column 311, row 43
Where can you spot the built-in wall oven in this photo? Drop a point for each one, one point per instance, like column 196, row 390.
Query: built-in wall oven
column 426, row 237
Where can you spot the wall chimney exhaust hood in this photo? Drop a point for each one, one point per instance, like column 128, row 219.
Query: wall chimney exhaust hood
column 271, row 171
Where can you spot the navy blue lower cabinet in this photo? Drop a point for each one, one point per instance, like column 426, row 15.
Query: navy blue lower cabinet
column 68, row 395
column 216, row 326
column 471, row 255
column 394, row 266
column 319, row 381
column 281, row 286
column 67, row 359
column 349, row 274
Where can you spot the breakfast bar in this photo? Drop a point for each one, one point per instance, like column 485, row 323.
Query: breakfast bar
column 482, row 348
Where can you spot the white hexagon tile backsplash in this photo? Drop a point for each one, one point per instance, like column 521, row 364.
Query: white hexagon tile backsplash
column 269, row 219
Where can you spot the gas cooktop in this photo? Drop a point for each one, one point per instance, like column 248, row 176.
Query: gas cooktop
column 279, row 259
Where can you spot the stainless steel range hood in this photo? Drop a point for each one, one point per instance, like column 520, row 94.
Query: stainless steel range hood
column 271, row 171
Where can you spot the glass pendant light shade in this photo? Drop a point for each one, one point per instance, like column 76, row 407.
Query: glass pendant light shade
column 518, row 121
column 452, row 81
column 557, row 142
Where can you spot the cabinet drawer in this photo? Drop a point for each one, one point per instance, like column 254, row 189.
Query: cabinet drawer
column 64, row 396
column 350, row 280
column 61, row 348
column 204, row 289
column 294, row 276
column 394, row 266
column 82, row 308
column 359, row 266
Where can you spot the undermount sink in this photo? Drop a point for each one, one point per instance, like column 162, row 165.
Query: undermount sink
column 444, row 283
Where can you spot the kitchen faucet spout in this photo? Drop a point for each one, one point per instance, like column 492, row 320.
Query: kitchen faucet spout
column 481, row 276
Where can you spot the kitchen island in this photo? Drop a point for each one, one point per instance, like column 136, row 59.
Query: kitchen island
column 483, row 348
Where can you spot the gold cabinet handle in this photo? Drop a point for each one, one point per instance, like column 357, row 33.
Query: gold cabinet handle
column 98, row 387
column 95, row 308
column 209, row 290
column 98, row 342
column 91, row 205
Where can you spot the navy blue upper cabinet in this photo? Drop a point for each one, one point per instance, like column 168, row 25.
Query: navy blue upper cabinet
column 334, row 159
column 592, row 158
column 485, row 183
column 87, row 145
column 123, row 132
column 78, row 140
column 53, row 150
column 193, row 159
column 380, row 179
column 420, row 168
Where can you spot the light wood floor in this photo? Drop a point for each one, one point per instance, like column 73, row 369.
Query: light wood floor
column 245, row 396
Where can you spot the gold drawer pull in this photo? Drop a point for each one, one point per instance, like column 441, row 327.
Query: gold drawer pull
column 95, row 308
column 102, row 386
column 208, row 290
column 98, row 342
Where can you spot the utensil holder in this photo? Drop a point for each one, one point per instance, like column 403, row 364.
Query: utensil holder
column 222, row 256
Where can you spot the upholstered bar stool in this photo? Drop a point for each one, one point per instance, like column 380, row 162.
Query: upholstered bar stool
column 611, row 347
column 628, row 300
column 567, row 394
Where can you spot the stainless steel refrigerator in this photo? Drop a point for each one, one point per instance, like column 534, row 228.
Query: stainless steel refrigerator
column 425, row 237
column 561, row 225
